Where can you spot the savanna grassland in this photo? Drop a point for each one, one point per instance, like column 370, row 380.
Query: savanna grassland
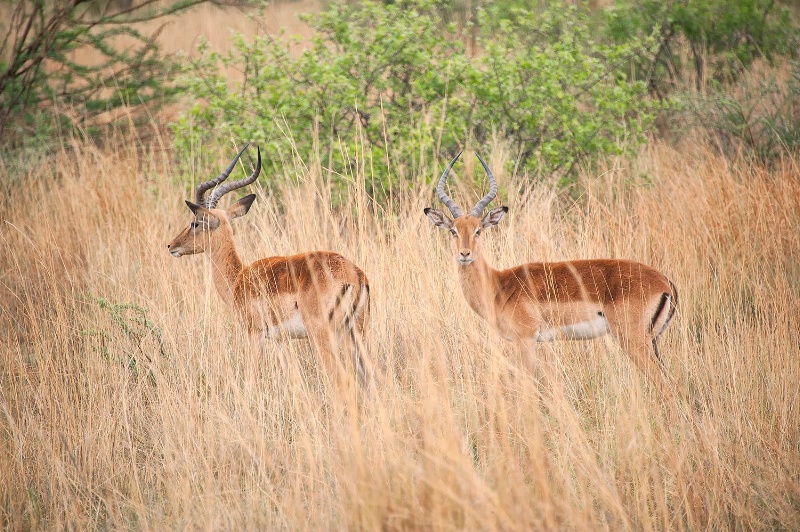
column 125, row 400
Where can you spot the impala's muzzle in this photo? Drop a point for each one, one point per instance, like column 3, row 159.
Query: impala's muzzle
column 465, row 257
column 173, row 252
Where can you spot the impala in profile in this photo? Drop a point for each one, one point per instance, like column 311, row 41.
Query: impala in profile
column 319, row 295
column 578, row 300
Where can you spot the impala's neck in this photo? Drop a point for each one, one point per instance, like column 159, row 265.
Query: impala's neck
column 479, row 287
column 225, row 263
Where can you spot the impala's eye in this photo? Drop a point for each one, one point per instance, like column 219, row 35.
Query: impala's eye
column 453, row 232
column 477, row 232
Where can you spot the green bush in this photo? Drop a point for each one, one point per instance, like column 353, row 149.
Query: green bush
column 395, row 81
column 386, row 74
column 558, row 96
column 43, row 86
column 721, row 37
column 733, row 51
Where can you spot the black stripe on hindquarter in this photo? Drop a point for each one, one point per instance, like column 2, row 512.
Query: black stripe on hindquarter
column 338, row 302
column 659, row 310
column 356, row 294
column 655, row 350
column 354, row 312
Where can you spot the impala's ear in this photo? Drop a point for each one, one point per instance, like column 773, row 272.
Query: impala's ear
column 438, row 218
column 241, row 207
column 494, row 217
column 203, row 215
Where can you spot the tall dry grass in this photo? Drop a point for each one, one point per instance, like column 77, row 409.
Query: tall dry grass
column 124, row 401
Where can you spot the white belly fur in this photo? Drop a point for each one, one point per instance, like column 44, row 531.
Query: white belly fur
column 293, row 327
column 582, row 330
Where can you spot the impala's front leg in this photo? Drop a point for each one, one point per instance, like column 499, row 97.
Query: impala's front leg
column 526, row 326
column 540, row 358
column 256, row 341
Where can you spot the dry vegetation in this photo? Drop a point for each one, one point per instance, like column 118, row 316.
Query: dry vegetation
column 140, row 416
column 124, row 401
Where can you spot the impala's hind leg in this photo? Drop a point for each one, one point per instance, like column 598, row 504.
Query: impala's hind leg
column 360, row 340
column 355, row 346
column 640, row 346
column 323, row 342
column 328, row 342
column 353, row 329
column 352, row 342
column 642, row 349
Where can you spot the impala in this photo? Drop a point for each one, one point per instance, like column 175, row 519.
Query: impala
column 319, row 295
column 579, row 300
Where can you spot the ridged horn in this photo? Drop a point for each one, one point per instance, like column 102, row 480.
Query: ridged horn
column 455, row 210
column 201, row 189
column 233, row 185
column 477, row 210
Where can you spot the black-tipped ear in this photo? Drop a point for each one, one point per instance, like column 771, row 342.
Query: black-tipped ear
column 241, row 207
column 192, row 206
column 494, row 216
column 438, row 218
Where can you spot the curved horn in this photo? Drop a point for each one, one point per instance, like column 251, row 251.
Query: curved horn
column 455, row 210
column 477, row 210
column 201, row 189
column 233, row 185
